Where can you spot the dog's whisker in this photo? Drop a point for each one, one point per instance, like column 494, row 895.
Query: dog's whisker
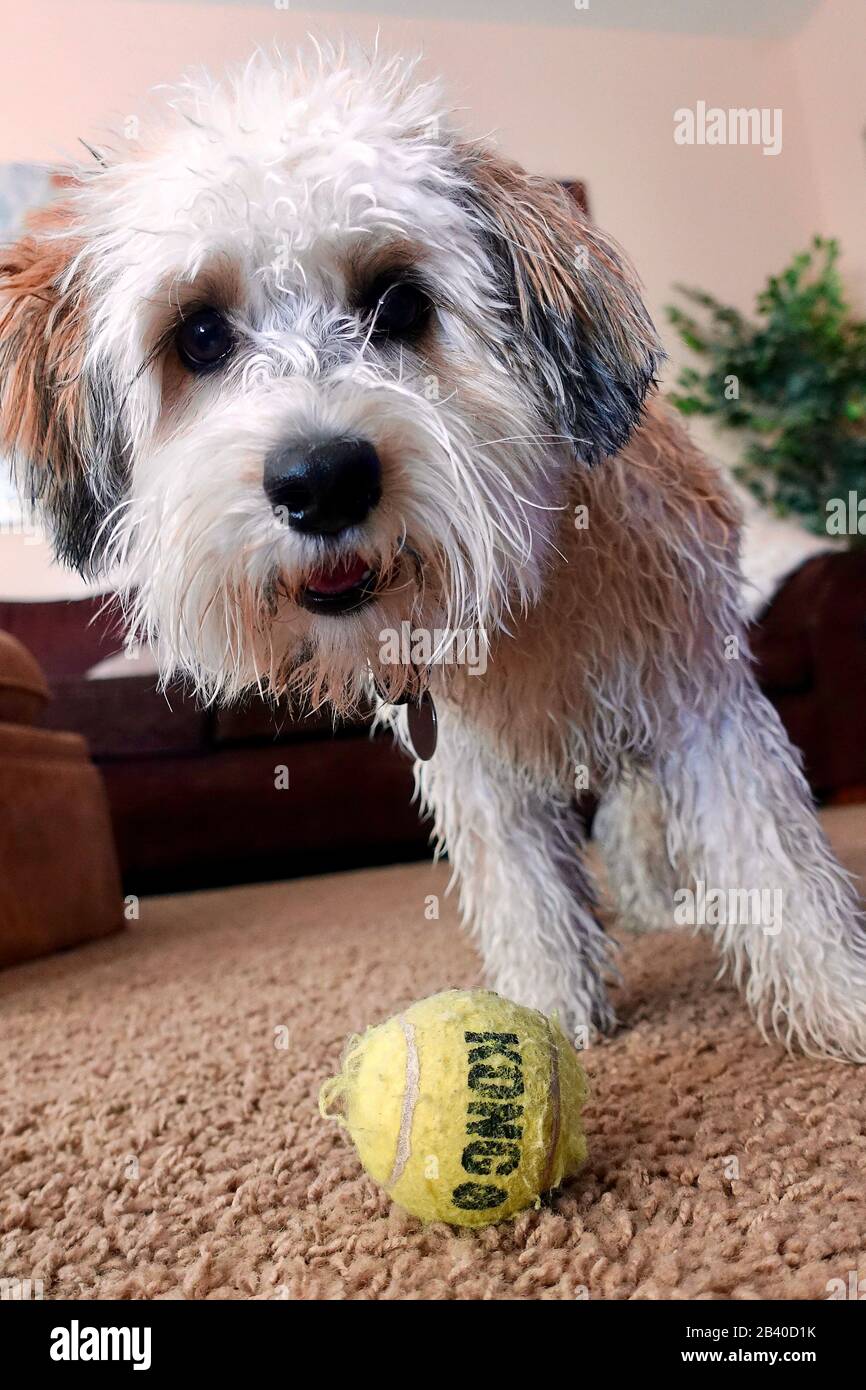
column 531, row 438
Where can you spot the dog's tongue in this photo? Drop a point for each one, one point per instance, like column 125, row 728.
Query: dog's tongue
column 335, row 579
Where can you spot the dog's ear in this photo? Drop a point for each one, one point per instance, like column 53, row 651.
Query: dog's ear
column 577, row 318
column 58, row 420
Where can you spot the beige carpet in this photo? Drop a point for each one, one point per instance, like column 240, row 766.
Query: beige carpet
column 157, row 1142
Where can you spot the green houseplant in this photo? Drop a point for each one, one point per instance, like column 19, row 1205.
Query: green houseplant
column 794, row 382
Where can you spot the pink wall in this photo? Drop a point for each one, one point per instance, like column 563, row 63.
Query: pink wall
column 568, row 101
column 27, row 571
column 565, row 100
column 829, row 63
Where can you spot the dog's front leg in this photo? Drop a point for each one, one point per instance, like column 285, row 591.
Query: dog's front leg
column 761, row 875
column 629, row 831
column 525, row 894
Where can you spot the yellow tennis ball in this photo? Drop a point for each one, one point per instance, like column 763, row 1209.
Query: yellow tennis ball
column 465, row 1108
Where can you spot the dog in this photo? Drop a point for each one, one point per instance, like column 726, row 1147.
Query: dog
column 302, row 367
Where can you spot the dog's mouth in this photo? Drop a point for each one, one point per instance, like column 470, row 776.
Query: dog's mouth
column 341, row 587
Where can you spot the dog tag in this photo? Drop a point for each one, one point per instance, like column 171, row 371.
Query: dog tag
column 422, row 722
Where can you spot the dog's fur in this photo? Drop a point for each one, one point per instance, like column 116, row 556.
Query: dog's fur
column 615, row 637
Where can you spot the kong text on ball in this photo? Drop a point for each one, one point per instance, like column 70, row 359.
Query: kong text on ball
column 465, row 1107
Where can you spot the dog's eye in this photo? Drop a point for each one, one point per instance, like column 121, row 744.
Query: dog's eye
column 400, row 309
column 203, row 340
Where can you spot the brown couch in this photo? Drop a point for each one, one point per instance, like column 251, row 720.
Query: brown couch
column 196, row 798
column 196, row 795
column 59, row 877
column 810, row 645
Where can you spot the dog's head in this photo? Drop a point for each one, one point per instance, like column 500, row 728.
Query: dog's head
column 299, row 365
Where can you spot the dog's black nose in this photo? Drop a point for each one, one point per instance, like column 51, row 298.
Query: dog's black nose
column 321, row 489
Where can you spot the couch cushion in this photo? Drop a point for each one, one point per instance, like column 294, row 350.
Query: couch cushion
column 129, row 717
column 59, row 879
column 67, row 636
column 23, row 688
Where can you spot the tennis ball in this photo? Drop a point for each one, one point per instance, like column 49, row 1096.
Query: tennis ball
column 465, row 1108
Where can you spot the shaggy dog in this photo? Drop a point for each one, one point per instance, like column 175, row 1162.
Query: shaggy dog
column 304, row 369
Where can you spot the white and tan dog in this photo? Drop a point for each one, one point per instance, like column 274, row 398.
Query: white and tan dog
column 304, row 367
